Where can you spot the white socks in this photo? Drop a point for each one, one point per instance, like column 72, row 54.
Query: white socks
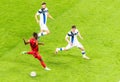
column 42, row 34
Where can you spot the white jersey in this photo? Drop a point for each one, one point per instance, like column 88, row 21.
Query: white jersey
column 73, row 36
column 43, row 15
column 73, row 40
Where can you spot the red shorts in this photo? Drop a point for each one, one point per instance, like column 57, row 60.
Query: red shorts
column 35, row 54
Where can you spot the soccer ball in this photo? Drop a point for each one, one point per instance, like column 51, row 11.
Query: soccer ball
column 33, row 74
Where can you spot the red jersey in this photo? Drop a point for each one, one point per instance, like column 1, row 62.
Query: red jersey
column 34, row 44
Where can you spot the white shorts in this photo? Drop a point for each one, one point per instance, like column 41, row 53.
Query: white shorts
column 43, row 27
column 76, row 44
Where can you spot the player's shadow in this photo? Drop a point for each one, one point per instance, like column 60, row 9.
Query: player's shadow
column 33, row 64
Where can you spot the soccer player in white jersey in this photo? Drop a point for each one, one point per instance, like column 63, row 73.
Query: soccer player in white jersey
column 43, row 13
column 73, row 42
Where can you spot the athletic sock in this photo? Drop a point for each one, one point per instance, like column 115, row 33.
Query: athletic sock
column 42, row 34
column 83, row 53
column 24, row 52
column 60, row 49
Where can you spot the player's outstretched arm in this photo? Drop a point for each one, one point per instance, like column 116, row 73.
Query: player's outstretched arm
column 67, row 39
column 25, row 42
column 80, row 35
column 50, row 16
column 36, row 18
column 40, row 43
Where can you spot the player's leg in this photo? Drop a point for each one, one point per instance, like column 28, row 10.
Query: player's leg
column 26, row 52
column 63, row 48
column 60, row 49
column 80, row 46
column 42, row 62
column 42, row 33
column 44, row 30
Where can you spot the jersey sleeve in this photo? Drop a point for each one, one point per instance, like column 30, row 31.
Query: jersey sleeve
column 68, row 34
column 38, row 12
column 47, row 9
column 76, row 32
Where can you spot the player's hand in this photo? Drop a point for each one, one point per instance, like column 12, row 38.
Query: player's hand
column 24, row 41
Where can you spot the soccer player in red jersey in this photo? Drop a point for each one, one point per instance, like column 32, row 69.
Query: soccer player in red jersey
column 34, row 49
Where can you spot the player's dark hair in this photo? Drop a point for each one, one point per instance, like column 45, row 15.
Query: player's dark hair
column 73, row 26
column 43, row 3
column 35, row 34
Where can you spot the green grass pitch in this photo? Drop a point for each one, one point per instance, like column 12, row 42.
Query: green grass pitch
column 98, row 22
